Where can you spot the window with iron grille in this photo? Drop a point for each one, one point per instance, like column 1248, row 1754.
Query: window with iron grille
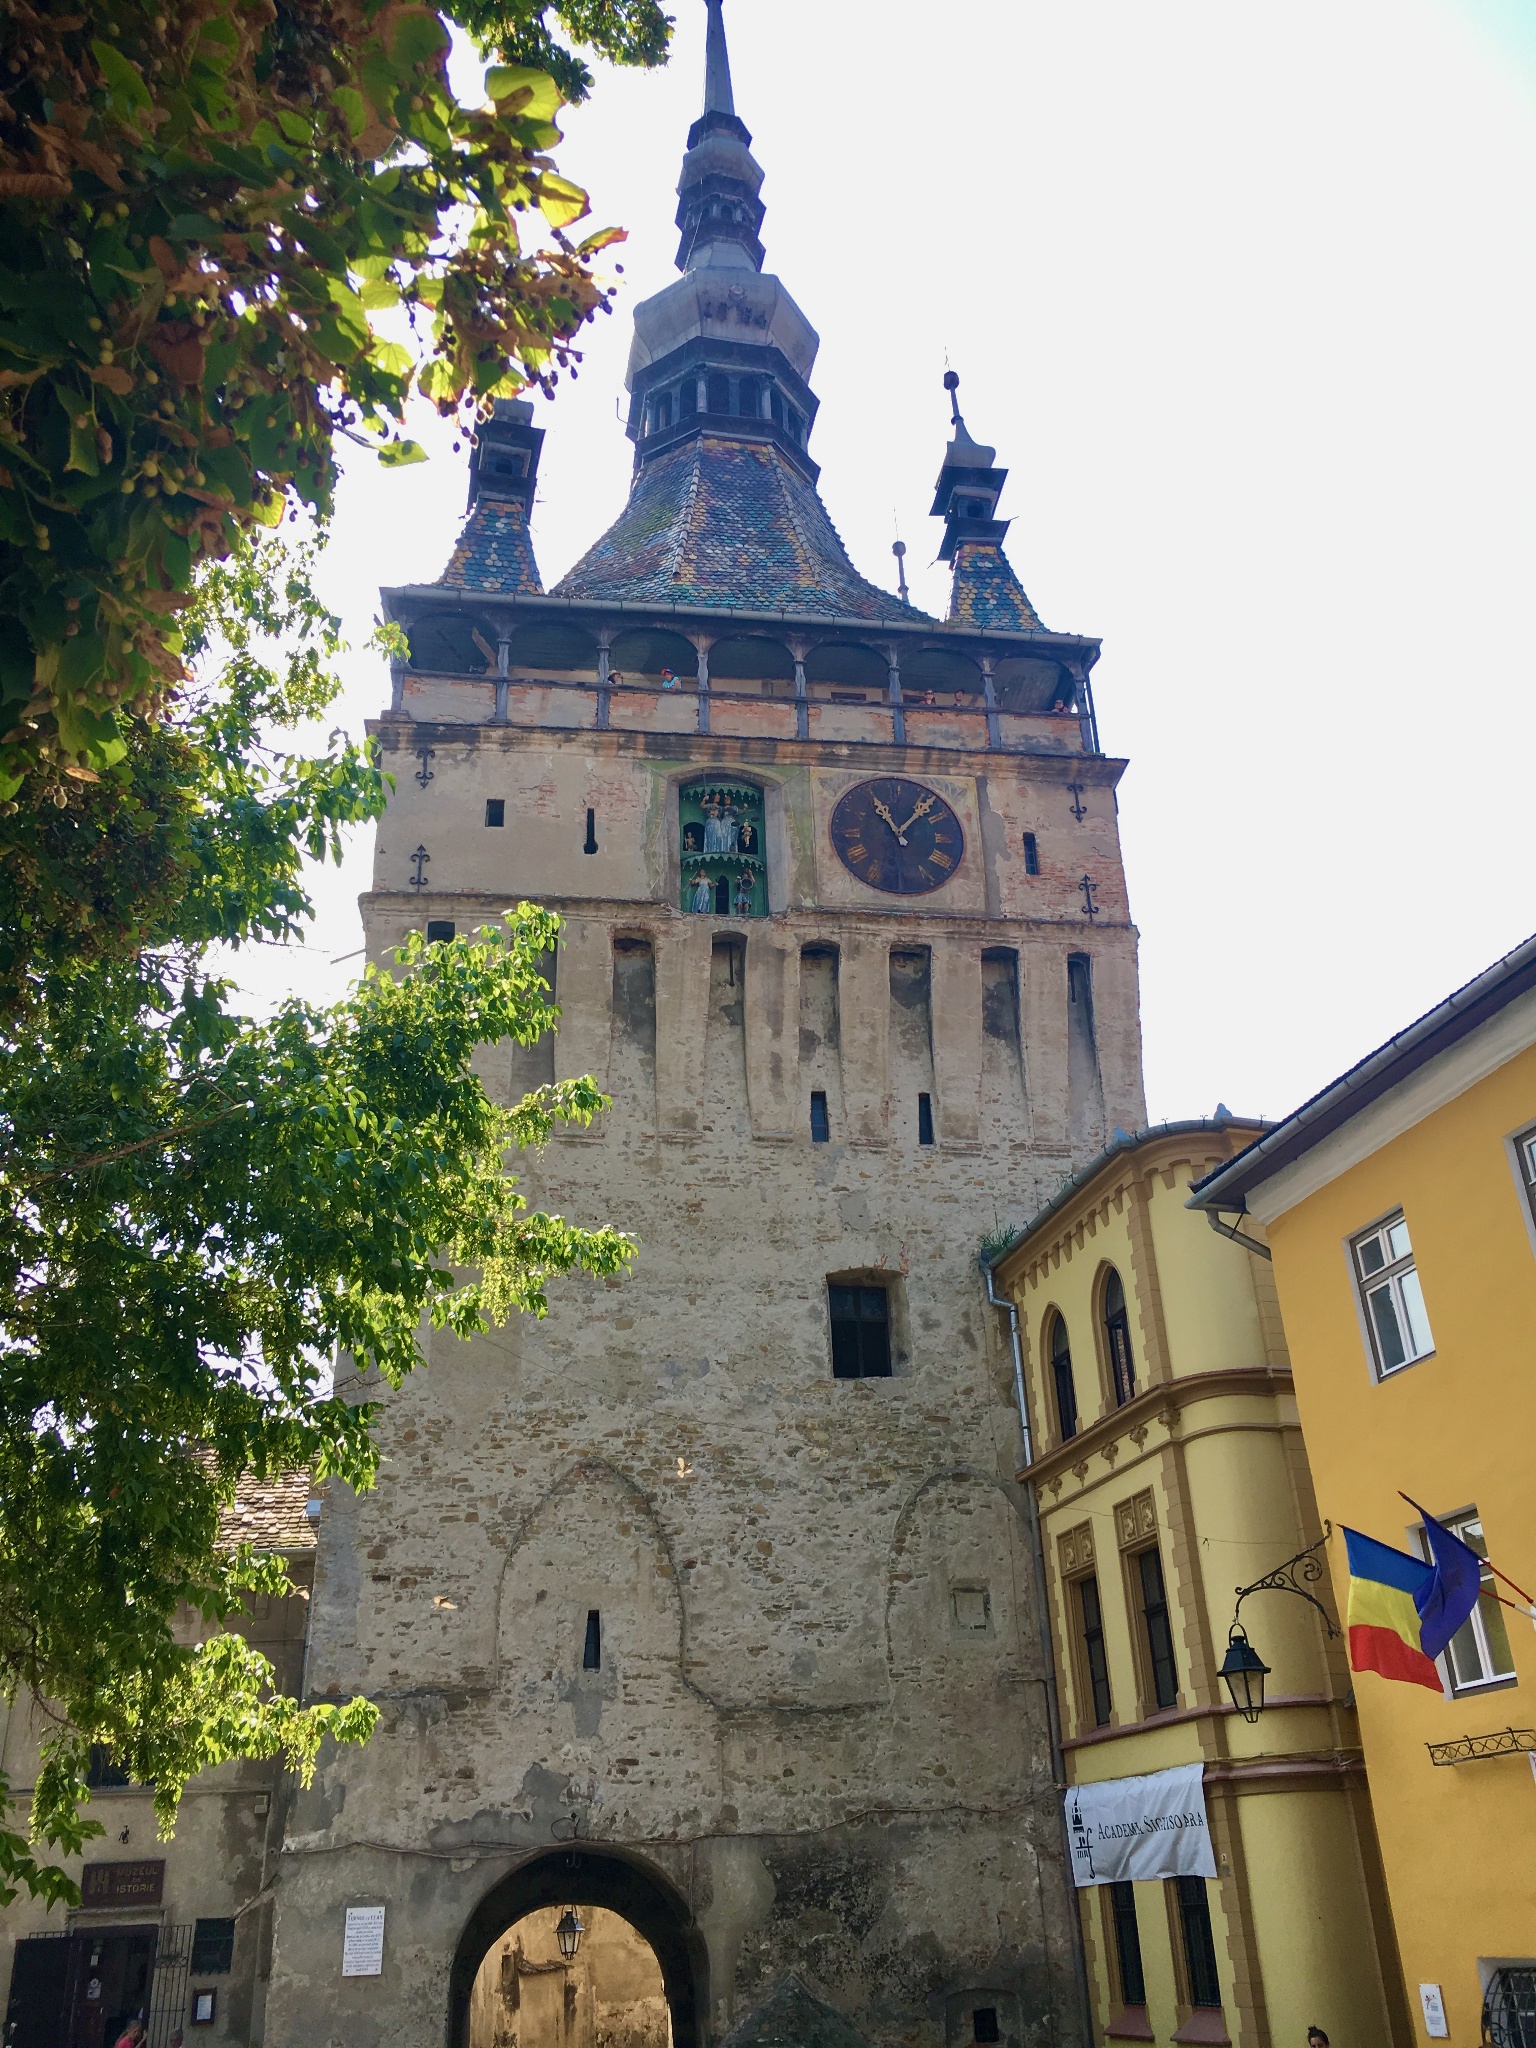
column 1509, row 2007
column 1392, row 1296
column 861, row 1332
column 213, row 1948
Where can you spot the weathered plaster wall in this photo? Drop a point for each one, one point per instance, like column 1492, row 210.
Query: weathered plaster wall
column 820, row 1708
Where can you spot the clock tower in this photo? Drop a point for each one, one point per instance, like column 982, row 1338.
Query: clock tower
column 709, row 1601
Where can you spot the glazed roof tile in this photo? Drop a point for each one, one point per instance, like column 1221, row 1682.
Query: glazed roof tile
column 986, row 595
column 269, row 1515
column 495, row 551
column 726, row 522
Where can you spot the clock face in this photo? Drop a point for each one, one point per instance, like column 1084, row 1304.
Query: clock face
column 897, row 836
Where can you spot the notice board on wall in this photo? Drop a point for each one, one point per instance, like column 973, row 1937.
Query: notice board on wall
column 362, row 1946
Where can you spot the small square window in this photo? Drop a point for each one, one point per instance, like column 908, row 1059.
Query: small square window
column 1392, row 1296
column 439, row 930
column 984, row 2024
column 213, row 1948
column 973, row 1607
column 861, row 1332
column 495, row 810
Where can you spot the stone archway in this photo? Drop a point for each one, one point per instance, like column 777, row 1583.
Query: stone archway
column 583, row 1876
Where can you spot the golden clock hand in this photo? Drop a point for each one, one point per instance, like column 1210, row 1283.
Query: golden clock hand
column 882, row 810
column 921, row 812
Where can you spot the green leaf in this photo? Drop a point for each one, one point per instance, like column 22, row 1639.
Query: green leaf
column 544, row 98
column 83, row 453
column 400, row 454
column 124, row 84
column 354, row 108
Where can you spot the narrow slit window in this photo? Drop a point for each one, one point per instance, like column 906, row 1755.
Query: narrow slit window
column 984, row 2027
column 1031, row 854
column 925, row 1119
column 592, row 1649
column 591, row 842
column 495, row 810
column 821, row 1127
column 1122, row 1907
column 861, row 1332
column 439, row 930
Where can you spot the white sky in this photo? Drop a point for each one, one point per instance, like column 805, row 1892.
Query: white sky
column 1246, row 297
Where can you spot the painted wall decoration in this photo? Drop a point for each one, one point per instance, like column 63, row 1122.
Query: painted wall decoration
column 724, row 866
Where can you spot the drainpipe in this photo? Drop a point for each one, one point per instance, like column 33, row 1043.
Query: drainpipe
column 1047, row 1652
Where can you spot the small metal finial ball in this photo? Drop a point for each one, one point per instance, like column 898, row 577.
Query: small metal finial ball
column 898, row 549
column 951, row 380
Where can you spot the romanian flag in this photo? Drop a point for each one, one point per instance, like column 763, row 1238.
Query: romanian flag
column 1402, row 1611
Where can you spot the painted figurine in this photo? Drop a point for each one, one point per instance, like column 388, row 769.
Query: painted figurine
column 693, row 838
column 703, row 892
column 744, row 894
column 719, row 826
column 746, row 838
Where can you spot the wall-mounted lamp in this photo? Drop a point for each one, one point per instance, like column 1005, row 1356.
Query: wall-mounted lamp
column 1243, row 1670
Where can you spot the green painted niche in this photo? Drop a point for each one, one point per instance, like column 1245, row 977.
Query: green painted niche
column 724, row 865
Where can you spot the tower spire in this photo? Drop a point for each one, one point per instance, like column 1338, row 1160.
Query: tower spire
column 719, row 212
column 718, row 97
column 985, row 592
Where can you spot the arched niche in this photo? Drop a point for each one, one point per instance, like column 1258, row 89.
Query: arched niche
column 553, row 645
column 642, row 654
column 583, row 1876
column 847, row 664
column 750, row 661
column 938, row 668
column 1026, row 683
column 449, row 644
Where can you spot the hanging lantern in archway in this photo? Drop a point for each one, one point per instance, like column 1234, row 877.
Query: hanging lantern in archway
column 569, row 1933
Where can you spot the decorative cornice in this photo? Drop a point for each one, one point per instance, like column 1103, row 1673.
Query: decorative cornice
column 1157, row 1403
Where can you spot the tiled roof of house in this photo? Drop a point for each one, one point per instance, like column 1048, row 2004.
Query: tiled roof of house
column 269, row 1514
column 727, row 522
column 495, row 551
column 986, row 595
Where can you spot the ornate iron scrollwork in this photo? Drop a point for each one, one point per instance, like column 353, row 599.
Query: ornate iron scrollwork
column 1294, row 1576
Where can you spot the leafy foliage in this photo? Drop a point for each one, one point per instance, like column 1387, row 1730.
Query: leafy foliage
column 203, row 206
column 198, row 1210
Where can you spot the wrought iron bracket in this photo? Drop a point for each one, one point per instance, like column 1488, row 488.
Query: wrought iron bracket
column 424, row 774
column 1467, row 1749
column 1294, row 1576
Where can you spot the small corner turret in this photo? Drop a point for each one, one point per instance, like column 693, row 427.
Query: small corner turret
column 984, row 592
column 504, row 460
column 495, row 548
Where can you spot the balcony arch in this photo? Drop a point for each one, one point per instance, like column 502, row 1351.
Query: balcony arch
column 553, row 646
column 938, row 668
column 645, row 654
column 847, row 664
column 451, row 644
column 750, row 660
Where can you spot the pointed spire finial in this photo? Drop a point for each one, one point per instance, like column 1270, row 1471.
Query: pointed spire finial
column 952, row 386
column 718, row 97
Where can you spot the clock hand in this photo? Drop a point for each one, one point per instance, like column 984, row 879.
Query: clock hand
column 882, row 810
column 921, row 812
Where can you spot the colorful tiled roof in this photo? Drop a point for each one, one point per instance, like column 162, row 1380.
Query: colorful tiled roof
column 269, row 1514
column 985, row 593
column 726, row 522
column 495, row 551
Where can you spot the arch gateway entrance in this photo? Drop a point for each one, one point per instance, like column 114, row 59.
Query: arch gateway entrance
column 640, row 1940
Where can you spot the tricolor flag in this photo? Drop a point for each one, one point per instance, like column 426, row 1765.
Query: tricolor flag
column 1402, row 1611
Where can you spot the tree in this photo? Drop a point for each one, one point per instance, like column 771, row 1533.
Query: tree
column 198, row 1210
column 203, row 205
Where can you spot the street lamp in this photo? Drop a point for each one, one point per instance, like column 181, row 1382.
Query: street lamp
column 1243, row 1670
column 569, row 1933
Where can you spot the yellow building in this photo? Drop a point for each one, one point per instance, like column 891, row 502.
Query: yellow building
column 1166, row 1464
column 1398, row 1205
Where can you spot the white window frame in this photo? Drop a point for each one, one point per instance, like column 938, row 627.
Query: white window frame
column 1392, row 1273
column 1521, row 1147
column 1492, row 1680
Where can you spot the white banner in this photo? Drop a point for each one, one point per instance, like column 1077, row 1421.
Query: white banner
column 1140, row 1828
